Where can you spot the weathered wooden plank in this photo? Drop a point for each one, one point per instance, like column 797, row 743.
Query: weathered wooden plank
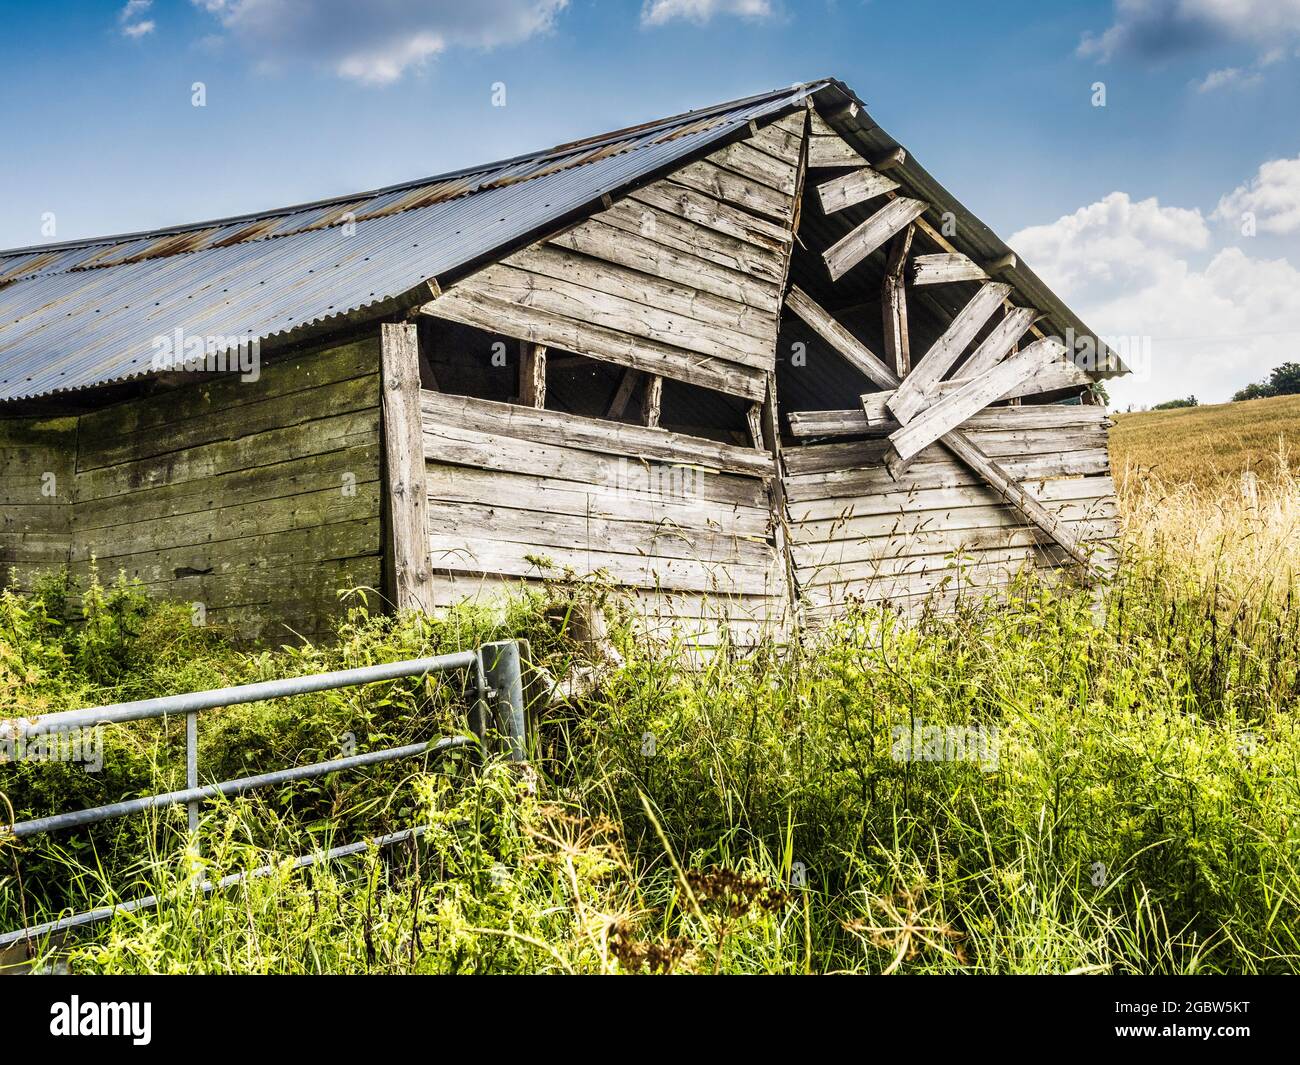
column 590, row 434
column 952, row 410
column 861, row 241
column 1037, row 416
column 714, row 214
column 213, row 395
column 484, row 522
column 646, row 499
column 749, row 159
column 840, row 500
column 978, row 509
column 853, row 188
column 827, row 148
column 870, row 454
column 1001, row 339
column 597, row 342
column 556, row 295
column 405, row 499
column 275, row 412
column 749, row 327
column 727, row 185
column 630, row 249
column 911, row 395
column 465, row 555
column 671, row 231
column 944, row 268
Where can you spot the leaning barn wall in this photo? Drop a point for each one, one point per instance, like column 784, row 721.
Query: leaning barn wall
column 257, row 500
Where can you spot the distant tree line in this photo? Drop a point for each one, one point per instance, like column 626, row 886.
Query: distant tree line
column 1283, row 381
column 1174, row 404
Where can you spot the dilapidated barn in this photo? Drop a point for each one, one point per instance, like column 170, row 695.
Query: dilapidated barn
column 748, row 363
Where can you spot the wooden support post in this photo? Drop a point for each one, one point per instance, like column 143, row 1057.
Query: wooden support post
column 893, row 303
column 652, row 401
column 409, row 582
column 754, row 415
column 532, row 374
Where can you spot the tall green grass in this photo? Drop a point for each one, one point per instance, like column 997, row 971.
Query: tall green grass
column 749, row 814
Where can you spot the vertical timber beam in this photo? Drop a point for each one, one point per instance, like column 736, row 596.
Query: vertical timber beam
column 893, row 303
column 406, row 515
column 652, row 401
column 532, row 374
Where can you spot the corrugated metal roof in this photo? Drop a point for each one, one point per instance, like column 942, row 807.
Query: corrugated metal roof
column 86, row 313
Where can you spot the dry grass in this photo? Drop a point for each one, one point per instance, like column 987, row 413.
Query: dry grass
column 1214, row 490
column 1207, row 445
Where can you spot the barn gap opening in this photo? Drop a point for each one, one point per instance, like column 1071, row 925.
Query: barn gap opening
column 465, row 360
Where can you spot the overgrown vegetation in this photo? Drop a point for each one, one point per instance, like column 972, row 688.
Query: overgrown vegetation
column 1128, row 800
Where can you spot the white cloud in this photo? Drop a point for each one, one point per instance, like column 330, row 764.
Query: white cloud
column 1272, row 197
column 132, row 19
column 659, row 12
column 376, row 43
column 1228, row 77
column 1129, row 269
column 1164, row 27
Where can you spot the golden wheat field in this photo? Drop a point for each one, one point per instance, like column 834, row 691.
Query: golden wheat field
column 1216, row 487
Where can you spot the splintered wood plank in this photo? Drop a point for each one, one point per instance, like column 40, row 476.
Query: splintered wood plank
column 975, row 395
column 404, row 492
column 944, row 268
column 1003, row 337
column 532, row 374
column 839, row 338
column 855, row 246
column 842, row 192
column 911, row 394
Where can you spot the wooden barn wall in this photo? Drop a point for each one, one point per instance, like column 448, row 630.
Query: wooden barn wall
column 856, row 533
column 520, row 494
column 682, row 278
column 257, row 499
column 36, row 484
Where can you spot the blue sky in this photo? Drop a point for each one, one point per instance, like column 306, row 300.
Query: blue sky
column 1134, row 211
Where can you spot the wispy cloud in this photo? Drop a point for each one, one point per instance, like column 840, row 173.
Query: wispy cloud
column 133, row 21
column 660, row 12
column 1229, row 77
column 376, row 43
